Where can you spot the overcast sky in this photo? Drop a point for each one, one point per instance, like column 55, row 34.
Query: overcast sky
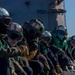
column 70, row 16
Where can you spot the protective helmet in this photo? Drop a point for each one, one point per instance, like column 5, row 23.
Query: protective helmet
column 46, row 36
column 4, row 17
column 34, row 27
column 61, row 32
column 15, row 31
column 61, row 28
column 72, row 39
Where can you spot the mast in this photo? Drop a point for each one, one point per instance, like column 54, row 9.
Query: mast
column 56, row 13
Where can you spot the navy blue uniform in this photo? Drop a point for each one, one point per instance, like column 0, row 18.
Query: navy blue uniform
column 44, row 49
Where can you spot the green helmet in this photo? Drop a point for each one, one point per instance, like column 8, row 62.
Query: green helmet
column 35, row 26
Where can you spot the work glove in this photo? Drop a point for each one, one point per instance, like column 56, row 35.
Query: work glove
column 24, row 51
column 58, row 68
column 31, row 54
column 54, row 72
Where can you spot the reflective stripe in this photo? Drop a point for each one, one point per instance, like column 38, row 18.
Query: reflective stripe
column 35, row 25
column 15, row 27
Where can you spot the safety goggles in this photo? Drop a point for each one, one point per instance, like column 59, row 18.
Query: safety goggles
column 15, row 36
column 34, row 33
column 48, row 39
column 6, row 20
column 62, row 32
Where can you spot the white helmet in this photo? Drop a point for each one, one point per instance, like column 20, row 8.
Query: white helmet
column 4, row 17
column 46, row 36
column 15, row 31
column 3, row 12
column 61, row 27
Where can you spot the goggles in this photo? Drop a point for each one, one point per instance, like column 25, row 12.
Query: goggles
column 6, row 20
column 34, row 33
column 48, row 39
column 62, row 32
column 15, row 36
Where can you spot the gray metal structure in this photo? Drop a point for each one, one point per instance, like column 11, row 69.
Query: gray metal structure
column 51, row 12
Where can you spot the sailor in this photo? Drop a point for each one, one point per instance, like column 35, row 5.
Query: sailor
column 44, row 49
column 7, row 49
column 32, row 30
column 59, row 45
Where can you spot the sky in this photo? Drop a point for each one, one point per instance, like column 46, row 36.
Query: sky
column 70, row 16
